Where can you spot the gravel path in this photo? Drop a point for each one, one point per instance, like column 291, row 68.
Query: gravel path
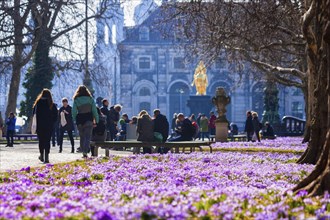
column 23, row 155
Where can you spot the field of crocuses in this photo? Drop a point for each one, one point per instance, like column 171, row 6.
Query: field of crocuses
column 228, row 185
column 280, row 144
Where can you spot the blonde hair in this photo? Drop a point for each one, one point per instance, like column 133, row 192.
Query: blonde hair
column 255, row 114
column 144, row 112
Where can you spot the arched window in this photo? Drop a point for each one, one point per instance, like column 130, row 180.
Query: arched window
column 144, row 91
column 145, row 106
column 179, row 94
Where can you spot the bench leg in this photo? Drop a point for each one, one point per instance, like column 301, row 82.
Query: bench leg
column 107, row 152
column 96, row 151
column 177, row 150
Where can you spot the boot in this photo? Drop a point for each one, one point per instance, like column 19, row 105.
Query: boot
column 60, row 151
column 72, row 149
column 46, row 158
column 92, row 151
column 41, row 157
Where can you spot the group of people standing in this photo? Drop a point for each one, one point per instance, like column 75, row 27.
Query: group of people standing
column 253, row 127
column 83, row 112
column 203, row 126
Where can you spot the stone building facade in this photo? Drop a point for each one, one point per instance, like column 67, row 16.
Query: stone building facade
column 153, row 74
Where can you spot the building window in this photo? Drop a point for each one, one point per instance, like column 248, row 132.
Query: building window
column 144, row 63
column 144, row 34
column 144, row 91
column 297, row 109
column 145, row 106
column 178, row 63
column 297, row 92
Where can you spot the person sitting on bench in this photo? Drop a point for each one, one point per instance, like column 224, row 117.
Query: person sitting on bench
column 185, row 131
column 269, row 132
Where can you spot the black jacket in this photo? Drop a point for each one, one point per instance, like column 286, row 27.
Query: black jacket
column 46, row 117
column 68, row 118
column 113, row 116
column 187, row 130
column 161, row 125
column 105, row 111
column 249, row 125
column 256, row 124
column 145, row 128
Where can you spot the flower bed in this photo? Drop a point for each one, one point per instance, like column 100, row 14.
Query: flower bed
column 173, row 186
column 280, row 144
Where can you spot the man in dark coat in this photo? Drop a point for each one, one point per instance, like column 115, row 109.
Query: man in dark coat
column 105, row 111
column 186, row 131
column 113, row 120
column 161, row 124
column 249, row 126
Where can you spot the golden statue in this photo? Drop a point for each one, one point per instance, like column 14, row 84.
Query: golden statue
column 200, row 79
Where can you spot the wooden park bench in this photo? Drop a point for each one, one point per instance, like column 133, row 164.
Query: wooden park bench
column 107, row 145
column 239, row 137
column 25, row 137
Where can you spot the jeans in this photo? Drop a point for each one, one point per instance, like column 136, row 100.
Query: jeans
column 85, row 134
column 60, row 139
column 10, row 137
column 205, row 134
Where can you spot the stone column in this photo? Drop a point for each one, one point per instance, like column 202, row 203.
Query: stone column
column 221, row 131
column 221, row 100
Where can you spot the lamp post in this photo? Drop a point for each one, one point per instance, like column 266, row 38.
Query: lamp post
column 87, row 78
column 181, row 91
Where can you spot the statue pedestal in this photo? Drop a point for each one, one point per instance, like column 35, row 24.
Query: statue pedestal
column 221, row 131
column 199, row 104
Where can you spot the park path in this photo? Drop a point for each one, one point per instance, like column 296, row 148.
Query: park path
column 24, row 155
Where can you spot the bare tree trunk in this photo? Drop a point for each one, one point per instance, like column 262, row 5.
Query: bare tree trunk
column 317, row 101
column 319, row 180
column 17, row 60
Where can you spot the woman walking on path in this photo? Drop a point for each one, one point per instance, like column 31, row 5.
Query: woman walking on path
column 256, row 125
column 85, row 114
column 10, row 122
column 46, row 114
column 66, row 124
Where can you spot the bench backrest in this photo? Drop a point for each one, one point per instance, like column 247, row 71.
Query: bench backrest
column 293, row 126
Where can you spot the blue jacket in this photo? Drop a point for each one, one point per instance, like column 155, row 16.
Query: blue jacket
column 10, row 122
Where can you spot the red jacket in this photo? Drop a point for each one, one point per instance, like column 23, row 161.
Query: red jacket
column 212, row 121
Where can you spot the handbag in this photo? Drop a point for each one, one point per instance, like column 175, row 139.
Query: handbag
column 34, row 122
column 158, row 137
column 63, row 120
